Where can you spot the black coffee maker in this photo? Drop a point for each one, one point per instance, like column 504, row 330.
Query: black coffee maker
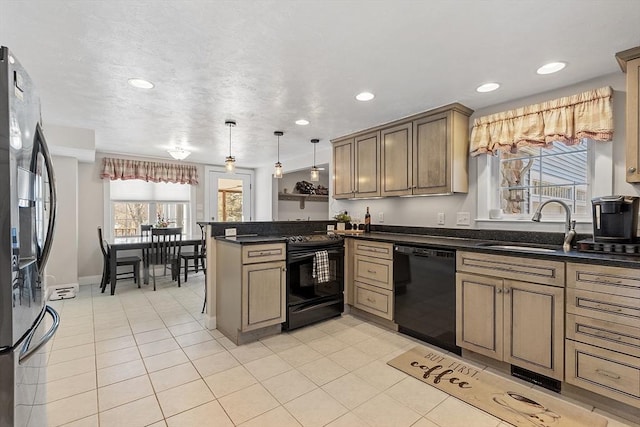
column 615, row 218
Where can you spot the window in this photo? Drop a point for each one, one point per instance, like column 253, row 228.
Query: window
column 534, row 175
column 136, row 202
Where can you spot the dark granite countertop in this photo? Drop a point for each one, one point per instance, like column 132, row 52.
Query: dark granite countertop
column 480, row 245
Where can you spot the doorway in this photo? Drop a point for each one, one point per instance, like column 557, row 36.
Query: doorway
column 228, row 196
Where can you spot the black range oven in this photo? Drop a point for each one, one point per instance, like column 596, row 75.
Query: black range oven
column 311, row 299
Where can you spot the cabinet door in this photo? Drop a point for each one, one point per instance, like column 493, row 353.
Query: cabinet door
column 343, row 169
column 263, row 295
column 633, row 121
column 431, row 155
column 534, row 327
column 367, row 156
column 396, row 144
column 479, row 314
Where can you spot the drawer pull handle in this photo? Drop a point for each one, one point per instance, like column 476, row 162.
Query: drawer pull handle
column 607, row 374
column 371, row 271
column 605, row 280
column 601, row 307
column 608, row 336
column 371, row 299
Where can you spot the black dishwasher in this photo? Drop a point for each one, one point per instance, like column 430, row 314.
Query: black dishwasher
column 425, row 294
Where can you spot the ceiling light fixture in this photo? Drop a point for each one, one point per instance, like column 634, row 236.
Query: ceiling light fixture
column 365, row 96
column 551, row 67
column 302, row 122
column 487, row 87
column 277, row 173
column 141, row 83
column 315, row 172
column 230, row 161
column 179, row 153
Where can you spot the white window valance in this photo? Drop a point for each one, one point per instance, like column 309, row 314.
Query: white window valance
column 568, row 120
column 114, row 169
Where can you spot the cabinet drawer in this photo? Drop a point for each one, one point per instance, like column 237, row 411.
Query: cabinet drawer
column 612, row 308
column 374, row 271
column 511, row 267
column 614, row 336
column 376, row 249
column 608, row 280
column 603, row 371
column 263, row 253
column 374, row 300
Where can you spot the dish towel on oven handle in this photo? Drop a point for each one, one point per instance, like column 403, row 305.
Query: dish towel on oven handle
column 321, row 266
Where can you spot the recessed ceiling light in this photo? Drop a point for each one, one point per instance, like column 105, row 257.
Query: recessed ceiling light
column 302, row 122
column 141, row 83
column 488, row 87
column 551, row 67
column 365, row 96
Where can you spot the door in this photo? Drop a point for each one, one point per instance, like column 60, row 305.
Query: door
column 479, row 313
column 431, row 155
column 343, row 162
column 263, row 294
column 534, row 327
column 367, row 161
column 228, row 196
column 396, row 166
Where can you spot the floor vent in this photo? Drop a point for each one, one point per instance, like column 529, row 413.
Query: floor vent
column 63, row 293
column 537, row 379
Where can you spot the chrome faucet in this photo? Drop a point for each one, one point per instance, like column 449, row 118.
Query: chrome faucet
column 570, row 226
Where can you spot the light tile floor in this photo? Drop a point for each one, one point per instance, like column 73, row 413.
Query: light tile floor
column 143, row 358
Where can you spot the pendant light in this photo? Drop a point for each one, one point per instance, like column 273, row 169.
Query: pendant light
column 315, row 172
column 230, row 161
column 277, row 173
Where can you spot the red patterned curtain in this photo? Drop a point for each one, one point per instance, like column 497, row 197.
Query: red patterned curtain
column 568, row 120
column 148, row 171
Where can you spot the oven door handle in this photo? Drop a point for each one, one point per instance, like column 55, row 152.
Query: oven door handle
column 313, row 306
column 294, row 257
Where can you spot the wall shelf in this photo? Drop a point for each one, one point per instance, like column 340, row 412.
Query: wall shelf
column 302, row 198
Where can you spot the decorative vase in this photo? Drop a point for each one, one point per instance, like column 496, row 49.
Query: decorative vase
column 340, row 226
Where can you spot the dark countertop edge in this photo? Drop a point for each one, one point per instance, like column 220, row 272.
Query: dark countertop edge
column 476, row 245
column 250, row 240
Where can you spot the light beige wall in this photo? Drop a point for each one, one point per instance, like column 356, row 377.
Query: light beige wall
column 62, row 267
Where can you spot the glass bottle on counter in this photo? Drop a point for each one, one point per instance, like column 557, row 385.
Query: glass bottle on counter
column 367, row 221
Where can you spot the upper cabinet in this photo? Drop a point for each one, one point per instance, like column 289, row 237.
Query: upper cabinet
column 629, row 61
column 356, row 162
column 422, row 154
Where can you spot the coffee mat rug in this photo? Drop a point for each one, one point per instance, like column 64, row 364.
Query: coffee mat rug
column 505, row 399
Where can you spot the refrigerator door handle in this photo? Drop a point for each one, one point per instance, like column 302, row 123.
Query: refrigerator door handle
column 27, row 349
column 46, row 247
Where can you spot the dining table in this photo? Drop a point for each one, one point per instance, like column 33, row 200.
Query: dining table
column 122, row 243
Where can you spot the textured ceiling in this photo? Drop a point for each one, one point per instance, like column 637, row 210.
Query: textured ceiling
column 267, row 63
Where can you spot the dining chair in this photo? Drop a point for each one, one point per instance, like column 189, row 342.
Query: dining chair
column 197, row 255
column 133, row 261
column 145, row 230
column 164, row 250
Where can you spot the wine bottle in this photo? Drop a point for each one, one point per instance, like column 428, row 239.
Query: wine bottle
column 367, row 221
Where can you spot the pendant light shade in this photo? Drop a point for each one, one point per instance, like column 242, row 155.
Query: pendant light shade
column 230, row 161
column 277, row 173
column 315, row 172
column 179, row 153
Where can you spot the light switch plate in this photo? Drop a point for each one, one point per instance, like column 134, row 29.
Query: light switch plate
column 463, row 218
column 440, row 218
column 229, row 231
column 381, row 217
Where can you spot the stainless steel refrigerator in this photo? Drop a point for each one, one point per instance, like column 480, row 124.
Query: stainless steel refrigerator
column 27, row 218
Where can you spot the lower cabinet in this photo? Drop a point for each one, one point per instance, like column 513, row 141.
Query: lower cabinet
column 373, row 278
column 517, row 322
column 264, row 289
column 603, row 331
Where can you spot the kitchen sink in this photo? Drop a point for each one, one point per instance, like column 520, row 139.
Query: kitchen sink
column 518, row 247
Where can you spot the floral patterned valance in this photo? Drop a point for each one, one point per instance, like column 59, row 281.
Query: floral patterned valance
column 148, row 171
column 568, row 120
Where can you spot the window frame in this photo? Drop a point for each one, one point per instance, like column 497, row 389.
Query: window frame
column 599, row 178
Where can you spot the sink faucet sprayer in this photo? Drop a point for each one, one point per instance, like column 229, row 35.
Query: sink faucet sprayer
column 570, row 226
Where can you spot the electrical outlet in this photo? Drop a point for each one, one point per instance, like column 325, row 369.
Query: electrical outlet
column 381, row 217
column 440, row 218
column 463, row 218
column 229, row 231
